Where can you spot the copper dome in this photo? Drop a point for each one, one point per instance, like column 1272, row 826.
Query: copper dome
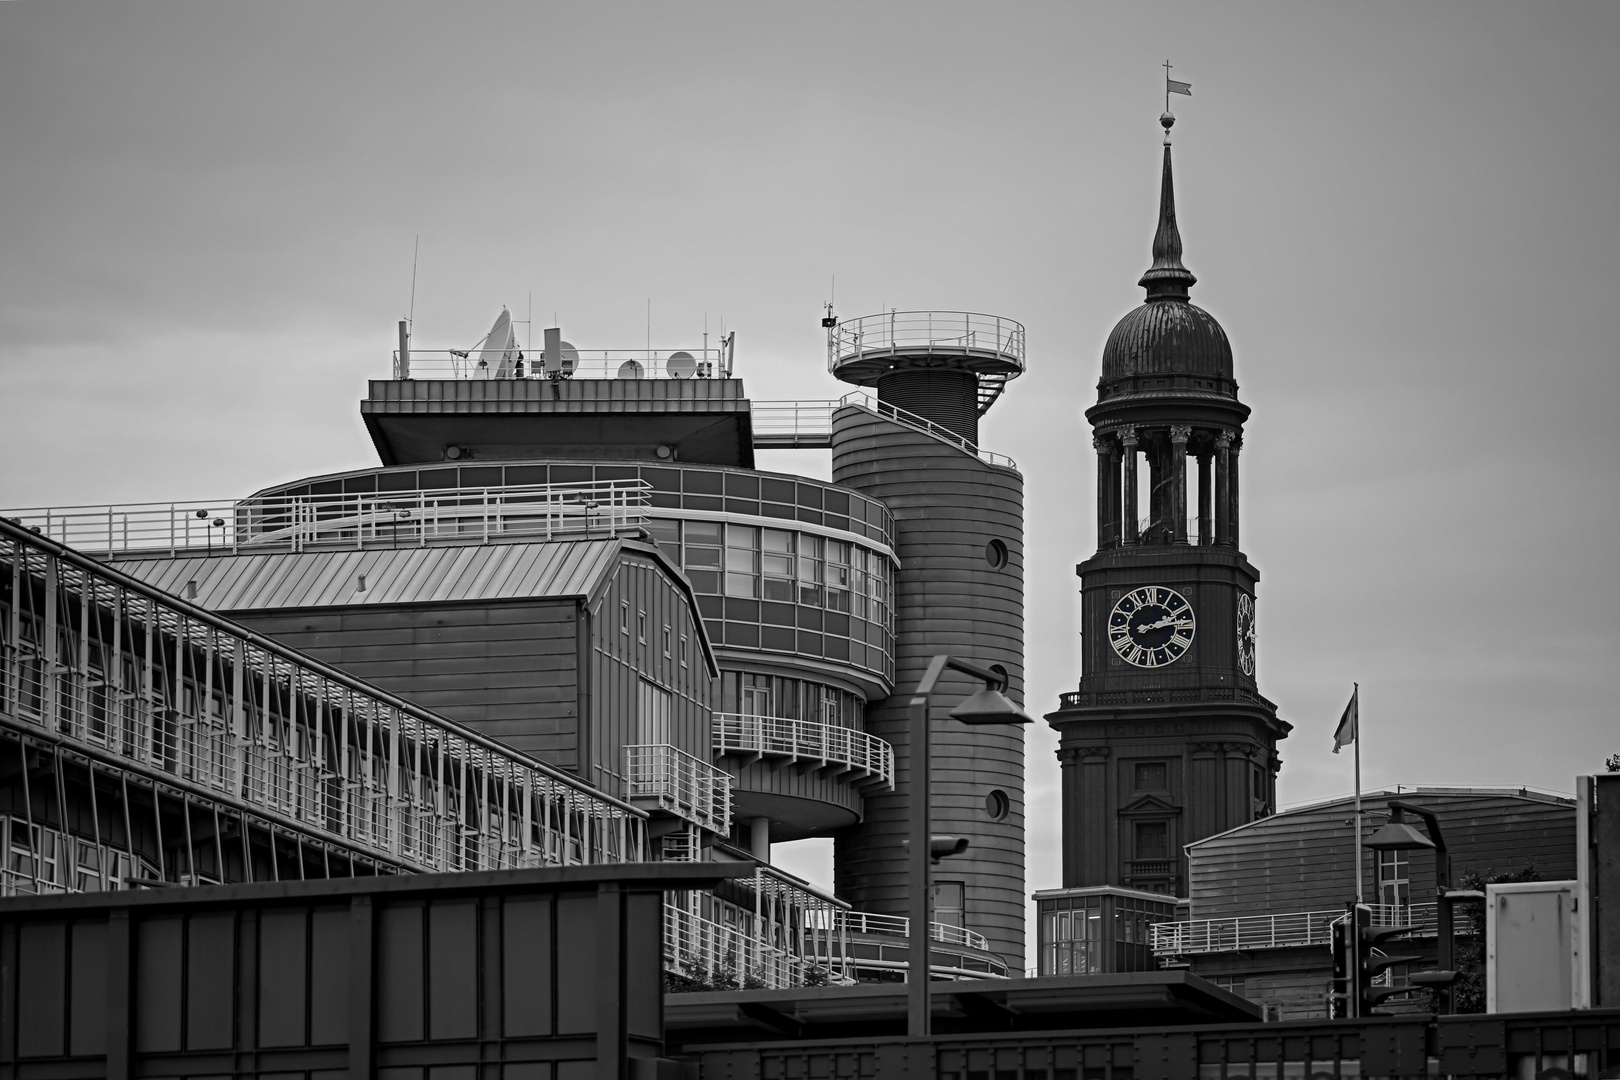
column 1167, row 336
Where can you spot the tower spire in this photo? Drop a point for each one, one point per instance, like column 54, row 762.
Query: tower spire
column 1167, row 279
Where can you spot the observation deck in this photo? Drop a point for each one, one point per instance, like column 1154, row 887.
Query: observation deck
column 504, row 405
column 870, row 350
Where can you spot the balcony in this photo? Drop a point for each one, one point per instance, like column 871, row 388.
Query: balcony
column 665, row 778
column 1292, row 930
column 825, row 746
column 136, row 682
column 874, row 947
column 348, row 521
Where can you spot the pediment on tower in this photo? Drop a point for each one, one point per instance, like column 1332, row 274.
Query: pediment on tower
column 1149, row 804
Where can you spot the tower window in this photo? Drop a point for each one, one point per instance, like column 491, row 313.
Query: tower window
column 997, row 805
column 995, row 553
column 1152, row 776
column 1152, row 840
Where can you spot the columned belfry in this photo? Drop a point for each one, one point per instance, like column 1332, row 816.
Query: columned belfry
column 1167, row 739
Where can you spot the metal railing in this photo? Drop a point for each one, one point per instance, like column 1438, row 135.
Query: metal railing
column 955, row 333
column 675, row 781
column 698, row 363
column 804, row 424
column 1285, row 931
column 808, row 423
column 804, row 740
column 725, row 955
column 864, row 922
column 391, row 519
column 125, row 674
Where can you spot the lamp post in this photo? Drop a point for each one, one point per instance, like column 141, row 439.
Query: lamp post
column 1397, row 835
column 987, row 706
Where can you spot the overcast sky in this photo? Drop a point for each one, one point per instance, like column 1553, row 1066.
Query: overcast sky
column 1404, row 215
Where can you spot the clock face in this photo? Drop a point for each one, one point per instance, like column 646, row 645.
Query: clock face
column 1151, row 626
column 1245, row 633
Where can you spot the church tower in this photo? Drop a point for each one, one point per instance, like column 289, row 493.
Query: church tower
column 1167, row 739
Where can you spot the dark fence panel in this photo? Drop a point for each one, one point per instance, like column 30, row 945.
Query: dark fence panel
column 512, row 975
column 1540, row 1046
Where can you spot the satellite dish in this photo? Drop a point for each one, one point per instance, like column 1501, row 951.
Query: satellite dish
column 564, row 364
column 681, row 365
column 631, row 369
column 500, row 349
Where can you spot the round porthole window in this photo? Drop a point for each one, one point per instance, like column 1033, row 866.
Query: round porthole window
column 996, row 804
column 995, row 553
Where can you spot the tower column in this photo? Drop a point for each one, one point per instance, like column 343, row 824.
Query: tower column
column 1107, row 481
column 1127, row 513
column 1223, row 487
column 1115, row 529
column 1179, row 434
column 1205, row 524
column 1232, row 530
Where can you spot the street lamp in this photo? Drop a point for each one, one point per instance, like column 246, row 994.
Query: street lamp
column 987, row 706
column 1397, row 835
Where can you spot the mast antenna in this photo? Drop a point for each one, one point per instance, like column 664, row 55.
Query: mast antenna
column 415, row 250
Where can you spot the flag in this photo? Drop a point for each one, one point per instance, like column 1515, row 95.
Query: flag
column 1349, row 723
column 1176, row 86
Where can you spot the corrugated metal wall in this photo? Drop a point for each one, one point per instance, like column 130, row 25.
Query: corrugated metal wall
column 1304, row 860
column 948, row 506
column 507, row 670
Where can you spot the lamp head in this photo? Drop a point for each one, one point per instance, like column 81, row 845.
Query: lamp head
column 1397, row 835
column 989, row 707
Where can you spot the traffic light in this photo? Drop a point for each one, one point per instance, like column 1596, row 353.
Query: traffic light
column 1370, row 961
column 1341, row 999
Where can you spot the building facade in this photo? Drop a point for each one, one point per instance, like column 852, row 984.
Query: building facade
column 1167, row 739
column 1264, row 896
column 577, row 560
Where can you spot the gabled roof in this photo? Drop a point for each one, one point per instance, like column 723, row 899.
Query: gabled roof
column 580, row 569
column 416, row 575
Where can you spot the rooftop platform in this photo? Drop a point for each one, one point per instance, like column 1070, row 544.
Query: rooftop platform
column 864, row 350
column 417, row 421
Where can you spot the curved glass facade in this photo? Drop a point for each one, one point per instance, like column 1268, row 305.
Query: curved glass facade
column 787, row 591
column 780, row 564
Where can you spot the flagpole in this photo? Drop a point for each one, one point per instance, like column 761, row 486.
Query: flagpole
column 1355, row 696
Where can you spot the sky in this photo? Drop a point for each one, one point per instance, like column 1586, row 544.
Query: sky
column 1403, row 215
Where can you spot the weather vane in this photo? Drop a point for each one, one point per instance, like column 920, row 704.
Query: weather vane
column 1171, row 86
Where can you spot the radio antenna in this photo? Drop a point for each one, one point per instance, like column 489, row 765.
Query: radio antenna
column 415, row 250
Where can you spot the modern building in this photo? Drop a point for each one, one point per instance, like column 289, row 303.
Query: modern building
column 578, row 563
column 1264, row 895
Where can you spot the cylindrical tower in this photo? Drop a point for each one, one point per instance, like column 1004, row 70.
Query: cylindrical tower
column 959, row 537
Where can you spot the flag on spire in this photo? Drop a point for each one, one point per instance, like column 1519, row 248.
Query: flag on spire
column 1175, row 86
column 1349, row 723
